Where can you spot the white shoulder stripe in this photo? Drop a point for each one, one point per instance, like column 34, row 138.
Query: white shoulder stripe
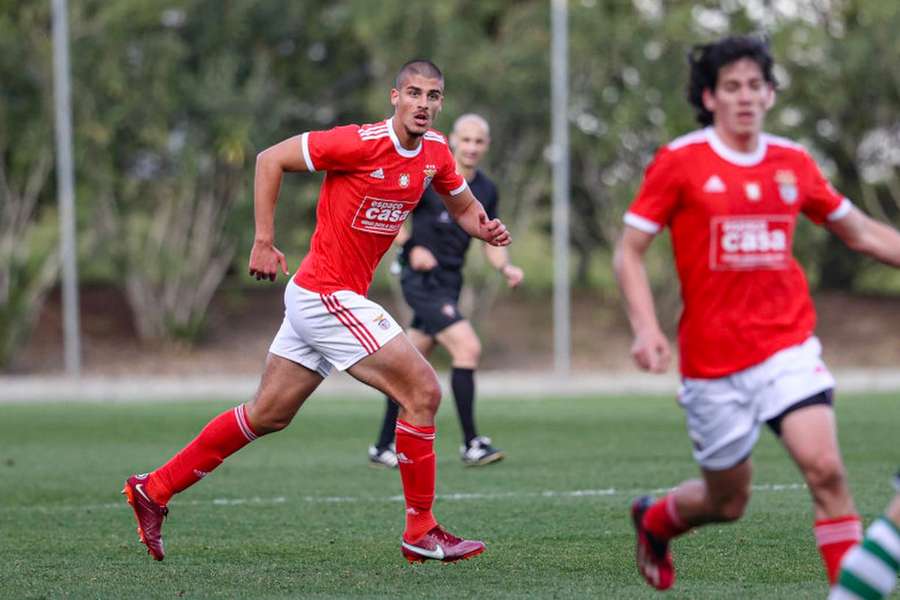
column 434, row 137
column 694, row 137
column 841, row 211
column 304, row 144
column 641, row 223
column 374, row 136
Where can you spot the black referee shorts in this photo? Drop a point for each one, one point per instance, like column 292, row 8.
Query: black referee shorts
column 434, row 297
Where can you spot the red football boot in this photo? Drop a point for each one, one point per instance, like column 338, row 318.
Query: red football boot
column 654, row 560
column 149, row 515
column 439, row 544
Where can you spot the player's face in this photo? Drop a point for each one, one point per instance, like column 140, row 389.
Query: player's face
column 469, row 141
column 417, row 103
column 741, row 99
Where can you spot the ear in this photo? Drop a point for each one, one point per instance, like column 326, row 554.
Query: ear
column 709, row 100
column 770, row 97
column 395, row 97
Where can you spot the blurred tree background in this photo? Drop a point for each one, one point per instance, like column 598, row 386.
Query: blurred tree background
column 173, row 99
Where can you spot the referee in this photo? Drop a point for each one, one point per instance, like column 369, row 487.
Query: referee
column 433, row 257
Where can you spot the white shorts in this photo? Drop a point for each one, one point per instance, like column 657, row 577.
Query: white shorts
column 724, row 415
column 321, row 331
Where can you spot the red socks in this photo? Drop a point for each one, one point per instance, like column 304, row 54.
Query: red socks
column 222, row 437
column 835, row 537
column 415, row 453
column 662, row 519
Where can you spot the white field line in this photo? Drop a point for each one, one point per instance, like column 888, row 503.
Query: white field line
column 458, row 497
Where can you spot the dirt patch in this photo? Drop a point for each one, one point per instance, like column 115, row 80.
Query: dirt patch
column 857, row 331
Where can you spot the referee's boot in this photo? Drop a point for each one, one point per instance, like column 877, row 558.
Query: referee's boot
column 479, row 452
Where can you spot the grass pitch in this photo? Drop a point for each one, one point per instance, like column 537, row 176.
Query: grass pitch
column 300, row 515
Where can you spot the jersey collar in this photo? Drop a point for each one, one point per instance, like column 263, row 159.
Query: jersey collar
column 742, row 159
column 400, row 149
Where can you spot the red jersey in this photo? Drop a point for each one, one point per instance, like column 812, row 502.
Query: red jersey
column 371, row 185
column 732, row 217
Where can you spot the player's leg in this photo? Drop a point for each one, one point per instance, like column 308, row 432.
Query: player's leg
column 720, row 496
column 464, row 347
column 869, row 571
column 722, row 424
column 400, row 371
column 283, row 388
column 383, row 453
column 810, row 436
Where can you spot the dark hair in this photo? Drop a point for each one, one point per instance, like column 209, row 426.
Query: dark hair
column 418, row 66
column 707, row 59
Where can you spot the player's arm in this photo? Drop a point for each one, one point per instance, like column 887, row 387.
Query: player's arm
column 868, row 236
column 650, row 349
column 469, row 214
column 498, row 256
column 271, row 164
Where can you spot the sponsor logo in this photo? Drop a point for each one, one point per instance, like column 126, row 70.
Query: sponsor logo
column 753, row 191
column 751, row 242
column 437, row 553
column 449, row 310
column 444, row 217
column 430, row 171
column 377, row 174
column 385, row 217
column 787, row 186
column 404, row 180
column 714, row 185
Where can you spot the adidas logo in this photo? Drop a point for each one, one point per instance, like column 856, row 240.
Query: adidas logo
column 377, row 174
column 714, row 185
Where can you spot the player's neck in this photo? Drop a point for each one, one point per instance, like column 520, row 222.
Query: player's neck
column 468, row 173
column 408, row 140
column 739, row 142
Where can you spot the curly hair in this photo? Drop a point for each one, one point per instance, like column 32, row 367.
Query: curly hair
column 706, row 60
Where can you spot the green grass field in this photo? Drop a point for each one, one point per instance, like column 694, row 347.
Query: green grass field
column 299, row 514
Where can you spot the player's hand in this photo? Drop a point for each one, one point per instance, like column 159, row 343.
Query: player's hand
column 265, row 260
column 421, row 259
column 493, row 231
column 651, row 352
column 514, row 275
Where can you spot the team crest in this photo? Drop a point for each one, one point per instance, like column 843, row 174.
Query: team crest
column 753, row 191
column 787, row 186
column 430, row 172
column 382, row 321
column 404, row 180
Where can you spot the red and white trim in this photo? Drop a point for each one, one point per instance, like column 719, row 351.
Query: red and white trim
column 849, row 529
column 841, row 211
column 462, row 187
column 407, row 428
column 240, row 415
column 641, row 223
column 349, row 320
column 435, row 137
column 304, row 144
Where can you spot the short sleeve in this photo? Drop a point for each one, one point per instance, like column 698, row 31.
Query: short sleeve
column 447, row 181
column 337, row 149
column 658, row 196
column 821, row 202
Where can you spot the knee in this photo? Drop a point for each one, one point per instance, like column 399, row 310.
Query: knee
column 265, row 418
column 468, row 353
column 825, row 473
column 426, row 396
column 731, row 507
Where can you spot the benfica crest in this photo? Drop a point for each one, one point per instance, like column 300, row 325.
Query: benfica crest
column 430, row 171
column 787, row 186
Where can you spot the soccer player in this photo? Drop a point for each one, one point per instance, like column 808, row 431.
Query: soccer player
column 433, row 257
column 374, row 177
column 869, row 571
column 731, row 196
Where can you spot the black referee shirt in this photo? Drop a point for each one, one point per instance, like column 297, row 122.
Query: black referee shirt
column 435, row 229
